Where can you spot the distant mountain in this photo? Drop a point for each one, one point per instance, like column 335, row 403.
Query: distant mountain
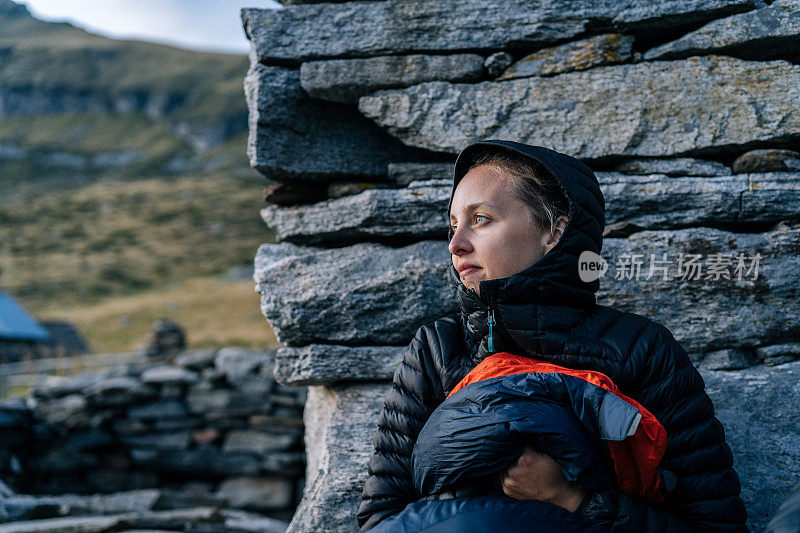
column 75, row 106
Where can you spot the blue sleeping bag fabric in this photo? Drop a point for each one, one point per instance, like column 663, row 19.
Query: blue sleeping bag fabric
column 494, row 513
column 483, row 428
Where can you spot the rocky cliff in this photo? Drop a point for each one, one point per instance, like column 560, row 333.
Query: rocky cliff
column 688, row 113
column 66, row 94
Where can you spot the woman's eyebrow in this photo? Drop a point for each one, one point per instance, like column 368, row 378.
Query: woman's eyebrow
column 476, row 205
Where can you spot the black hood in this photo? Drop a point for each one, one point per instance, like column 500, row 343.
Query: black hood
column 553, row 280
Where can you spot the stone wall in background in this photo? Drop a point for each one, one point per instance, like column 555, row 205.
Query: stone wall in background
column 688, row 113
column 207, row 438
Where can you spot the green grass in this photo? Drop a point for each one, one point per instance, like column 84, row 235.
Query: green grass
column 116, row 238
column 213, row 312
column 88, row 133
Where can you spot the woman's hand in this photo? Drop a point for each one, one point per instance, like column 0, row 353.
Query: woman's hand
column 536, row 476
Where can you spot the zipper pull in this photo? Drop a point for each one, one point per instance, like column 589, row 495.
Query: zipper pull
column 490, row 344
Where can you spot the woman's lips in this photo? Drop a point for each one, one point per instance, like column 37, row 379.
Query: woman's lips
column 467, row 271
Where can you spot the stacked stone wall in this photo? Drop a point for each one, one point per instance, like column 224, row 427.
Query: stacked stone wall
column 689, row 114
column 208, row 438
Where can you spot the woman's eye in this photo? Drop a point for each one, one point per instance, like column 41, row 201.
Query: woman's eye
column 479, row 217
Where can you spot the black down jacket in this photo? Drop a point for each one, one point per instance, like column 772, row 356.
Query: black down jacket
column 547, row 312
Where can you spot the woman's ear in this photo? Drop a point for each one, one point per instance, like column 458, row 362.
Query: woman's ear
column 552, row 238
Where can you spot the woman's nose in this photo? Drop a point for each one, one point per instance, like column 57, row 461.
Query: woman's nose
column 459, row 243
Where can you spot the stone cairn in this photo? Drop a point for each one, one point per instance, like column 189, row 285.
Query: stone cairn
column 688, row 112
column 207, row 441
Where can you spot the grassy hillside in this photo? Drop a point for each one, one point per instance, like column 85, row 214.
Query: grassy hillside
column 114, row 256
column 214, row 312
column 114, row 238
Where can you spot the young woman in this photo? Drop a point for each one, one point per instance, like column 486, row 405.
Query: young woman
column 520, row 217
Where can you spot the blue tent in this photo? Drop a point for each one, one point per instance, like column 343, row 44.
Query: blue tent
column 17, row 325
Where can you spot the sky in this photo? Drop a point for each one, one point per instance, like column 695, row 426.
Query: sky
column 212, row 25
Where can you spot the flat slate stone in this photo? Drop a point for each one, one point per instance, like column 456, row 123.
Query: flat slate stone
column 497, row 63
column 322, row 364
column 394, row 27
column 157, row 410
column 27, row 506
column 169, row 375
column 653, row 201
column 623, row 110
column 763, row 431
column 370, row 294
column 262, row 494
column 70, row 524
column 204, row 401
column 606, row 49
column 771, row 32
column 678, row 166
column 236, row 520
column 259, row 442
column 725, row 303
column 769, row 160
column 778, row 354
column 117, row 391
column 406, row 173
column 211, row 462
column 340, row 425
column 196, row 359
column 769, row 196
column 58, row 386
column 294, row 137
column 727, row 359
column 418, row 211
column 172, row 440
column 657, row 201
column 361, row 294
column 345, row 80
column 68, row 410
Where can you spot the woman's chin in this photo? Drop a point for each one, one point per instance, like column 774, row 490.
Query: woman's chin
column 470, row 283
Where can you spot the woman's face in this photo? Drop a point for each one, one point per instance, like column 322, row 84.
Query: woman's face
column 495, row 233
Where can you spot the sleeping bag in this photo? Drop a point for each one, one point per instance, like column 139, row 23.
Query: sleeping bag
column 599, row 437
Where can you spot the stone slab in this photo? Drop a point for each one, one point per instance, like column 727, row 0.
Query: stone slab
column 370, row 294
column 346, row 80
column 393, row 27
column 763, row 431
column 678, row 166
column 606, row 49
column 654, row 201
column 767, row 160
column 701, row 105
column 294, row 137
column 418, row 212
column 361, row 294
column 771, row 32
column 405, row 173
column 322, row 364
column 340, row 426
column 705, row 310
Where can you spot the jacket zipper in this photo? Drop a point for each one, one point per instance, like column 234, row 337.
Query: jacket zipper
column 490, row 308
column 490, row 344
